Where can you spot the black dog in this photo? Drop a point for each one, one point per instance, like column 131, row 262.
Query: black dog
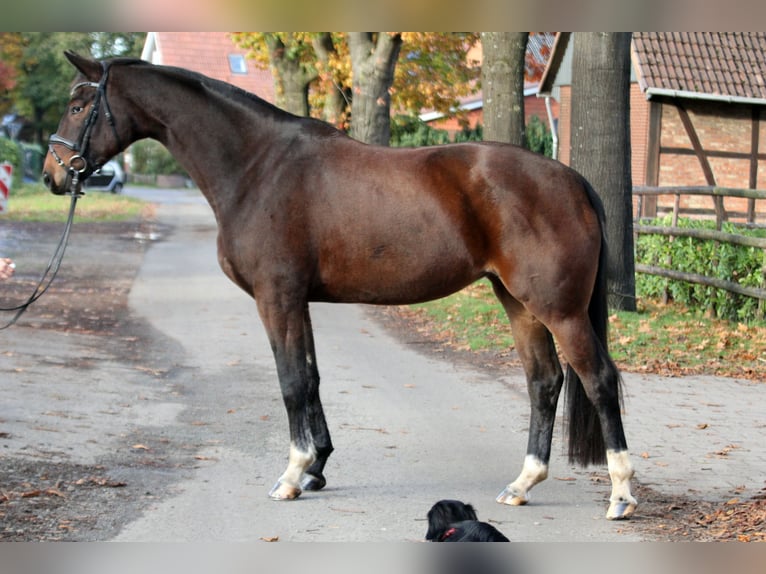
column 455, row 521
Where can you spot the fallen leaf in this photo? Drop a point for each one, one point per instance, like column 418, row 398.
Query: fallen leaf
column 100, row 481
column 270, row 538
column 348, row 510
column 140, row 447
column 702, row 426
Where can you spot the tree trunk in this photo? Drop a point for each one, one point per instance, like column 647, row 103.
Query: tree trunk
column 373, row 61
column 337, row 100
column 601, row 146
column 291, row 80
column 502, row 78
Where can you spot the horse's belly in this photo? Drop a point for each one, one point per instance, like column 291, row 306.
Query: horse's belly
column 394, row 276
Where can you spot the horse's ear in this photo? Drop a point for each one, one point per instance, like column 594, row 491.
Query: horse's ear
column 89, row 68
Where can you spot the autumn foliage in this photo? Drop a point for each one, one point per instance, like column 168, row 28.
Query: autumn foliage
column 434, row 70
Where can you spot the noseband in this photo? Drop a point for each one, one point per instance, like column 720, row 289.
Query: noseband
column 77, row 163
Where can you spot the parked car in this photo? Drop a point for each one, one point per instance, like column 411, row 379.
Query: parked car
column 111, row 177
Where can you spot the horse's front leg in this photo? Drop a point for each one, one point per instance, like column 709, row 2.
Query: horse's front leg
column 284, row 324
column 314, row 479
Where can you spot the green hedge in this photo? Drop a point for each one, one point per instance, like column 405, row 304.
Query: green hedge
column 737, row 263
column 150, row 157
column 409, row 131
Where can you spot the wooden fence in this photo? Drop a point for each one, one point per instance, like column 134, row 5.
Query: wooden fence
column 717, row 193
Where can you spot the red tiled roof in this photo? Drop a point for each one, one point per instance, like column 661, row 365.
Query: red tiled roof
column 729, row 64
column 208, row 53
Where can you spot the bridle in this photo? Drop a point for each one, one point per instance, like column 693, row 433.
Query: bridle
column 78, row 164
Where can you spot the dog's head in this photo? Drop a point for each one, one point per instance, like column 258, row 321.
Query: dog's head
column 444, row 513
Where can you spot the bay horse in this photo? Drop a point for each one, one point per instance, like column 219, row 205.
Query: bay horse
column 307, row 214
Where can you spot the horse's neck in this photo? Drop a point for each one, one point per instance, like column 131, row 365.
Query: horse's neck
column 212, row 136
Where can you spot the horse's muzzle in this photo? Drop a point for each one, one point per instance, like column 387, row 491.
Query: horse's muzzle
column 50, row 182
column 61, row 187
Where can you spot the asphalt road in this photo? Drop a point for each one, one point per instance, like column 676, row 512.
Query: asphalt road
column 181, row 409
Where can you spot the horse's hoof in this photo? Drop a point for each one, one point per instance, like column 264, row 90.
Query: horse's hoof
column 312, row 482
column 512, row 498
column 621, row 510
column 282, row 491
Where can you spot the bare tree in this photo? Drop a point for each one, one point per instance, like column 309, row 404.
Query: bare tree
column 601, row 146
column 502, row 78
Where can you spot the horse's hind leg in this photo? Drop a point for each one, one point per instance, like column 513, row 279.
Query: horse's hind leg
column 596, row 375
column 544, row 379
column 313, row 478
column 286, row 324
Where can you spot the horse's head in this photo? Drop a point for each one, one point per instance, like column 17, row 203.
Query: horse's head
column 87, row 136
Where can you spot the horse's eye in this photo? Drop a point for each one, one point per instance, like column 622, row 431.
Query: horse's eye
column 76, row 110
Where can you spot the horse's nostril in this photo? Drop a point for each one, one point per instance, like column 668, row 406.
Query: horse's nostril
column 47, row 181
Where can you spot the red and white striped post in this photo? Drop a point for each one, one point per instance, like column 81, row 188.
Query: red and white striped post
column 6, row 176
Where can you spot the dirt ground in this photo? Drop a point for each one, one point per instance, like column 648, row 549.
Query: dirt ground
column 44, row 500
column 50, row 500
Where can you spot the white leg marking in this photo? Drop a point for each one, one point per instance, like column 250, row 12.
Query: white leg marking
column 621, row 502
column 517, row 492
column 288, row 485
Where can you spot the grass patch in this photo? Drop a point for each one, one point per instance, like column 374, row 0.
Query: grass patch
column 665, row 339
column 673, row 340
column 32, row 202
column 471, row 319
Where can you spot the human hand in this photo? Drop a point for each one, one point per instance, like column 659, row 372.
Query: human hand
column 6, row 268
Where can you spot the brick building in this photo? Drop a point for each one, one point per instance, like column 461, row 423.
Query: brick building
column 539, row 48
column 698, row 103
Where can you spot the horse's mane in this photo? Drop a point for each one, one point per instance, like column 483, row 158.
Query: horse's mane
column 197, row 81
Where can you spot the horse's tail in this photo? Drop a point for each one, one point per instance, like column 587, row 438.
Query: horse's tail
column 586, row 441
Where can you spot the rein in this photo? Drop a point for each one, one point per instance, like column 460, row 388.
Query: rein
column 52, row 269
column 76, row 167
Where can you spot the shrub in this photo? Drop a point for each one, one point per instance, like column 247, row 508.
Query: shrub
column 152, row 158
column 539, row 139
column 743, row 265
column 409, row 131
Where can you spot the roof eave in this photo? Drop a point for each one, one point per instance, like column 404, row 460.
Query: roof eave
column 554, row 61
column 684, row 94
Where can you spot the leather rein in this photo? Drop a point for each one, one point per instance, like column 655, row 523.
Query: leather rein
column 76, row 167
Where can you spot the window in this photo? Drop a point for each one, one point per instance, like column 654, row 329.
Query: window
column 237, row 64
